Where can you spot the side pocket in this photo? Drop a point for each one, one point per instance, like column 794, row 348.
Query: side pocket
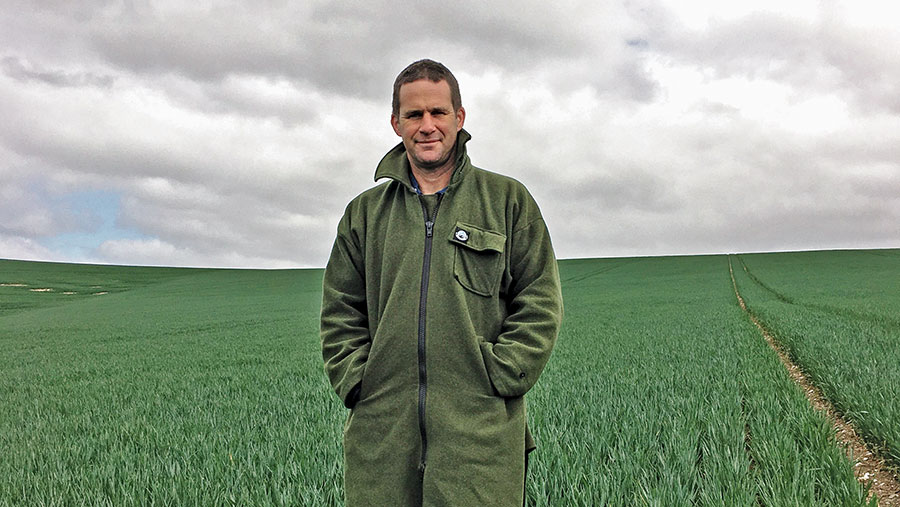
column 353, row 396
column 485, row 348
column 478, row 261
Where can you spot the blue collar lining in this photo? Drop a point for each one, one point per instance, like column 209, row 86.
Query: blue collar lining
column 415, row 184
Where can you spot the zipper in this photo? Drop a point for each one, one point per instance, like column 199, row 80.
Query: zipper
column 423, row 300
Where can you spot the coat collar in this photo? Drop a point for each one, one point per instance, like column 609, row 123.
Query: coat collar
column 395, row 164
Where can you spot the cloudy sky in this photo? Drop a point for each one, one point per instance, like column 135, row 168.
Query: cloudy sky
column 233, row 133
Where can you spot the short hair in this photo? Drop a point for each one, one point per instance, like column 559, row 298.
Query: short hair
column 432, row 71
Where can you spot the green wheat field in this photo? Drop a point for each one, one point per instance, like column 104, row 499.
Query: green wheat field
column 165, row 386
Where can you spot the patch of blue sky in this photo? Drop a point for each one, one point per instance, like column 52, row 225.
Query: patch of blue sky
column 92, row 218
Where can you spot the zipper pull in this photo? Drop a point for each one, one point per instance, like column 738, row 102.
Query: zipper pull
column 429, row 228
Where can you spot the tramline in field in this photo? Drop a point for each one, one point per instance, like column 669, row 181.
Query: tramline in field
column 837, row 315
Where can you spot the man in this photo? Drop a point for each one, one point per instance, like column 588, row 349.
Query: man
column 441, row 306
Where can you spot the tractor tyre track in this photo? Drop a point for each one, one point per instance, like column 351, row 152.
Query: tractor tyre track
column 869, row 318
column 579, row 278
column 869, row 467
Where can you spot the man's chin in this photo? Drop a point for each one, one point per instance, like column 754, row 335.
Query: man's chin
column 428, row 164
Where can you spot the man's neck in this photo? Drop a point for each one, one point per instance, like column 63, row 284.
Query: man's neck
column 434, row 180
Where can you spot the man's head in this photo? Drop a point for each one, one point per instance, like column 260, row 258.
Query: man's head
column 430, row 70
column 427, row 114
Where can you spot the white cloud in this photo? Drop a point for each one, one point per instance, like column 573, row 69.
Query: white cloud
column 154, row 252
column 699, row 14
column 25, row 248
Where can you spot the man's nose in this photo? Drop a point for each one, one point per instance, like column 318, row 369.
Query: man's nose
column 427, row 123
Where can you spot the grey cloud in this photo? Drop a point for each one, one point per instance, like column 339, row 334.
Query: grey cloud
column 716, row 109
column 758, row 45
column 825, row 55
column 730, row 187
column 236, row 96
column 223, row 98
column 120, row 158
column 619, row 189
column 96, row 147
column 21, row 70
column 810, row 225
column 248, row 226
column 876, row 143
column 280, row 40
column 725, row 229
column 880, row 188
column 867, row 64
column 355, row 49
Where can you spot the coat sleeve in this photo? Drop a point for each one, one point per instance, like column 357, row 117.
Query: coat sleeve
column 535, row 306
column 344, row 320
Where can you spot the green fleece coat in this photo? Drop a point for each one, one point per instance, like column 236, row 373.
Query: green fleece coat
column 432, row 341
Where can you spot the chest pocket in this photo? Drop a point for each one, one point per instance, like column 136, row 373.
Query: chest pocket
column 478, row 261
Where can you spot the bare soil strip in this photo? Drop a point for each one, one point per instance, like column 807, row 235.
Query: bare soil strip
column 869, row 467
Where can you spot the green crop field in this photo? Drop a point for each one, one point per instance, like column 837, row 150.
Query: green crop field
column 838, row 315
column 143, row 386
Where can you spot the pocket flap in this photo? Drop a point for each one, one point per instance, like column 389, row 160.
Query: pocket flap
column 477, row 239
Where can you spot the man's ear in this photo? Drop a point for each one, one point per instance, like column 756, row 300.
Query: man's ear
column 460, row 118
column 395, row 124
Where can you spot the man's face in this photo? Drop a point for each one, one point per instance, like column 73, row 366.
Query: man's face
column 427, row 123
